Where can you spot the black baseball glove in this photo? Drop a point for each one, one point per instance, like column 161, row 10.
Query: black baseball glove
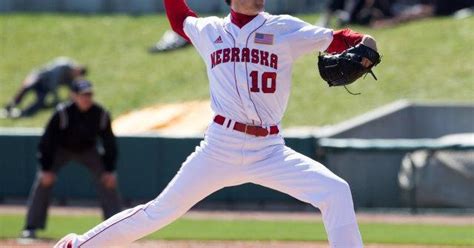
column 345, row 68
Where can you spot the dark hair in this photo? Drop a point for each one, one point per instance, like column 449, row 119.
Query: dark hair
column 228, row 2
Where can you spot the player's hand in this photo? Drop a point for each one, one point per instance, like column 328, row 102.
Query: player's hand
column 47, row 178
column 366, row 62
column 368, row 41
column 109, row 180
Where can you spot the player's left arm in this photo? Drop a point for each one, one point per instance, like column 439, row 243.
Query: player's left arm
column 305, row 38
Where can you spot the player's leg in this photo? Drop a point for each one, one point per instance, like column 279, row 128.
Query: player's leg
column 108, row 195
column 40, row 195
column 27, row 85
column 198, row 177
column 11, row 109
column 38, row 104
column 38, row 203
column 18, row 98
column 307, row 180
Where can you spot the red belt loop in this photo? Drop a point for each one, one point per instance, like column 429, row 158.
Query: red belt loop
column 274, row 130
column 219, row 119
column 248, row 129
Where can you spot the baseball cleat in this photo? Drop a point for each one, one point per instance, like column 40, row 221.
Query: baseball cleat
column 28, row 234
column 67, row 242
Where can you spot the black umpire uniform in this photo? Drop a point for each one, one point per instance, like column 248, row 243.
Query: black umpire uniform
column 73, row 135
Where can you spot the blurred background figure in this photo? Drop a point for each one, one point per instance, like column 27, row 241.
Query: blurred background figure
column 44, row 81
column 428, row 8
column 72, row 134
column 361, row 12
column 384, row 13
column 169, row 42
column 333, row 8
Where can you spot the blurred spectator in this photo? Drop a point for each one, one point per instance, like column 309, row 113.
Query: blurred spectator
column 383, row 13
column 169, row 42
column 61, row 71
column 72, row 135
column 333, row 7
column 427, row 8
column 361, row 12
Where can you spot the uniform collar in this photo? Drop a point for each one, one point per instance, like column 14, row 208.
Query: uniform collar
column 240, row 20
column 241, row 34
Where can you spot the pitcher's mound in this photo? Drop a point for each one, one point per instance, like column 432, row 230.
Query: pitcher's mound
column 188, row 118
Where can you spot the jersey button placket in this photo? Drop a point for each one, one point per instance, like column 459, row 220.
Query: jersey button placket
column 242, row 82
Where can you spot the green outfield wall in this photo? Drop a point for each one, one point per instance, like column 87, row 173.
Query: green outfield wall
column 146, row 164
column 366, row 151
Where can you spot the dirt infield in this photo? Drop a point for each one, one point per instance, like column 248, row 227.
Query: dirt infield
column 392, row 218
column 185, row 118
column 215, row 244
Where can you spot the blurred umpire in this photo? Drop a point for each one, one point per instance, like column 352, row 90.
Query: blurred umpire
column 72, row 134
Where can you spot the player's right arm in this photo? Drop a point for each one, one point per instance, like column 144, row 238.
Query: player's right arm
column 177, row 12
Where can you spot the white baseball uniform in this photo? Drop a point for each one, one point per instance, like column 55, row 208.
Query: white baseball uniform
column 249, row 71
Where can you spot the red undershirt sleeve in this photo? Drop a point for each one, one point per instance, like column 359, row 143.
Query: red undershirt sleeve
column 343, row 39
column 177, row 11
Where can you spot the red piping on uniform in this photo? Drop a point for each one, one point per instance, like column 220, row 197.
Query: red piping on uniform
column 177, row 11
column 115, row 223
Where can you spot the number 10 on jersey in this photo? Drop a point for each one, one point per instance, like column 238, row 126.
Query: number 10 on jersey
column 266, row 82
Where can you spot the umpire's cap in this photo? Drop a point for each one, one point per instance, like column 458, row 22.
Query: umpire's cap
column 81, row 86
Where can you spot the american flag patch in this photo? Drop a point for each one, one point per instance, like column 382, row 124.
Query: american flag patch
column 266, row 39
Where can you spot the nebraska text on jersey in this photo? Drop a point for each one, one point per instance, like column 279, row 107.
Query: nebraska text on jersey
column 244, row 55
column 249, row 78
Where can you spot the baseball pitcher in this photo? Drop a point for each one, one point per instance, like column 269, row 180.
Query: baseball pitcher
column 249, row 57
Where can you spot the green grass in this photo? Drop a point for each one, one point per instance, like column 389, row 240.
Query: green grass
column 428, row 60
column 186, row 229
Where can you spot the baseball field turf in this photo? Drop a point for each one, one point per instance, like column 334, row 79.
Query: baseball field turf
column 261, row 230
column 428, row 60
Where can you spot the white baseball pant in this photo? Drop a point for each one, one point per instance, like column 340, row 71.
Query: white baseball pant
column 229, row 158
